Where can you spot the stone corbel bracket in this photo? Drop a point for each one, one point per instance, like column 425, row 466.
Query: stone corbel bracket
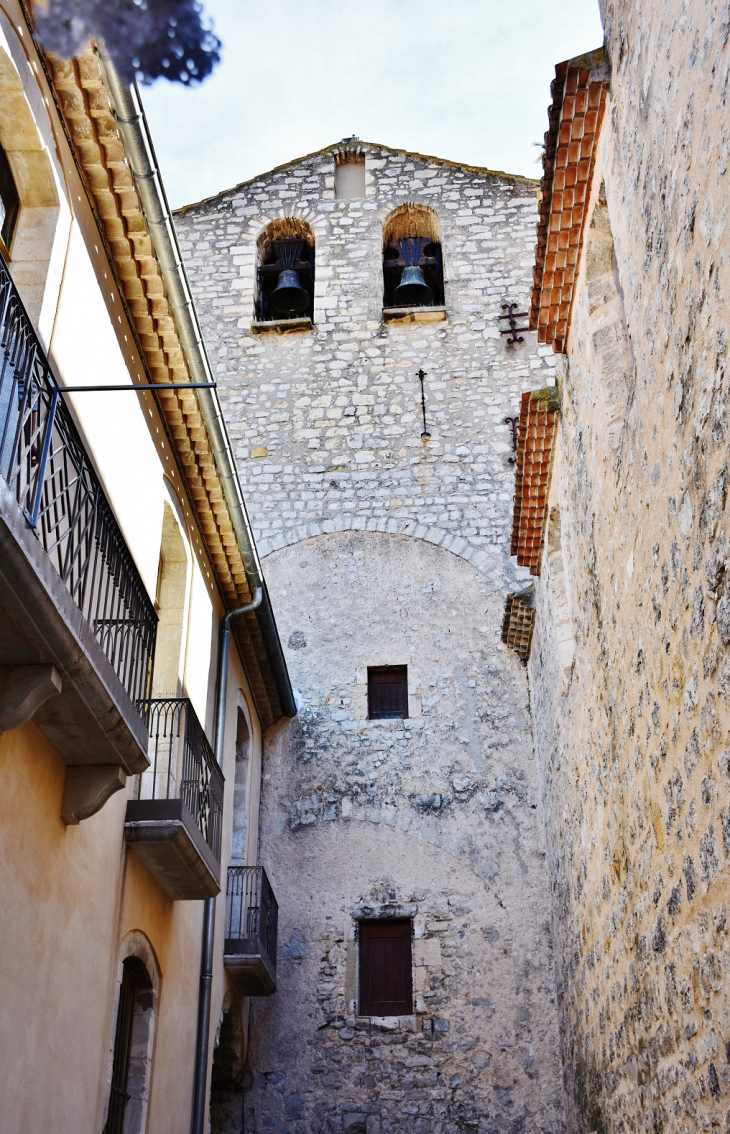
column 23, row 689
column 87, row 787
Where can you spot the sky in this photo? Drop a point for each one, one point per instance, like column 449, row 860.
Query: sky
column 467, row 80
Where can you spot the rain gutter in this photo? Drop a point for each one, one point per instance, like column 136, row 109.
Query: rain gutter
column 143, row 162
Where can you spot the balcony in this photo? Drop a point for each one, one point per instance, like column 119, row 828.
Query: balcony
column 77, row 627
column 251, row 925
column 174, row 824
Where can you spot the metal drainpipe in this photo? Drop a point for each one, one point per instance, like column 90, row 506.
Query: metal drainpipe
column 143, row 162
column 200, row 1081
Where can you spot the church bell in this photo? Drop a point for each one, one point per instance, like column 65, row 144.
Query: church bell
column 289, row 298
column 412, row 291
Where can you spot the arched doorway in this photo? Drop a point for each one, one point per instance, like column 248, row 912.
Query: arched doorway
column 129, row 1093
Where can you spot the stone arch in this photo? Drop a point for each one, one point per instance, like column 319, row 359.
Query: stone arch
column 25, row 139
column 411, row 220
column 486, row 561
column 138, row 997
column 559, row 591
column 229, row 1057
column 611, row 346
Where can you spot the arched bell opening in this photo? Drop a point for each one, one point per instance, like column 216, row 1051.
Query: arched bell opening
column 413, row 273
column 285, row 271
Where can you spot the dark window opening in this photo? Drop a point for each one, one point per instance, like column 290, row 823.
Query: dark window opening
column 387, row 692
column 9, row 201
column 286, row 281
column 128, row 1069
column 386, row 975
column 413, row 273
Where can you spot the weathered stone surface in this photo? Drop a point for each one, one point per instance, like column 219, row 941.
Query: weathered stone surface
column 632, row 723
column 381, row 548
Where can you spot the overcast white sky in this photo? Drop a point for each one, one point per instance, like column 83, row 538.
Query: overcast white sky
column 467, row 80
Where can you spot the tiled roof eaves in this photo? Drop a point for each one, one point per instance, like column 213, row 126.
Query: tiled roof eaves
column 536, row 437
column 85, row 107
column 578, row 94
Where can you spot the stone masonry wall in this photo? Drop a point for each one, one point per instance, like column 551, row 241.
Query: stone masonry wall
column 633, row 732
column 326, row 424
column 381, row 548
column 435, row 817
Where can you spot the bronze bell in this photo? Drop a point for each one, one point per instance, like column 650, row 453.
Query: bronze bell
column 289, row 298
column 412, row 291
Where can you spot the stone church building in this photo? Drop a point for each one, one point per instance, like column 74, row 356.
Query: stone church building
column 503, row 886
column 401, row 822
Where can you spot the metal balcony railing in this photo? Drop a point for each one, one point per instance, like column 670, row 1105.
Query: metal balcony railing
column 45, row 465
column 253, row 913
column 183, row 765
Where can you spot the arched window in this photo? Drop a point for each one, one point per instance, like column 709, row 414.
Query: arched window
column 285, row 271
column 129, row 1093
column 239, row 833
column 9, row 203
column 413, row 273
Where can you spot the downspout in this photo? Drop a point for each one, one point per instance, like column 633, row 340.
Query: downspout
column 143, row 162
column 200, row 1081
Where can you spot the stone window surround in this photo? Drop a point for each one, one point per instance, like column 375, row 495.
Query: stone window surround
column 426, row 954
column 360, row 695
column 136, row 944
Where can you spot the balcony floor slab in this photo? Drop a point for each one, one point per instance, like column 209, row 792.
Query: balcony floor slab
column 164, row 836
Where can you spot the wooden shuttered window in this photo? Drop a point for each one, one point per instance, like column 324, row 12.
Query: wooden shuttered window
column 386, row 975
column 387, row 692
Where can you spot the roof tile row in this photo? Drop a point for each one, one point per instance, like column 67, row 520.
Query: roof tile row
column 579, row 99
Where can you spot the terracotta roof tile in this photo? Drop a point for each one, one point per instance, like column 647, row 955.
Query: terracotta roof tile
column 536, row 434
column 579, row 98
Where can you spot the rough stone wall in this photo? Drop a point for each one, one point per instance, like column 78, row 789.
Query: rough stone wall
column 632, row 725
column 380, row 549
column 326, row 424
column 435, row 817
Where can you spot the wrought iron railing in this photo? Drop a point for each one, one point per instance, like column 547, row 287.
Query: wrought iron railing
column 45, row 464
column 183, row 765
column 253, row 912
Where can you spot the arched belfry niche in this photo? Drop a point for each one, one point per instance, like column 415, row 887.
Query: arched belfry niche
column 412, row 259
column 24, row 138
column 285, row 271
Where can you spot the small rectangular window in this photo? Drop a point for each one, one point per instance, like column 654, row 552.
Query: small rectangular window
column 386, row 975
column 387, row 692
